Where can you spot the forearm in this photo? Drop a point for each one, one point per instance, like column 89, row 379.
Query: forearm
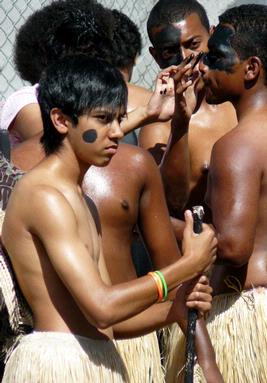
column 206, row 355
column 175, row 167
column 137, row 118
column 122, row 301
column 204, row 351
column 153, row 318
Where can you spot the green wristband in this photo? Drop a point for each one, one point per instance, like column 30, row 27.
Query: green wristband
column 164, row 284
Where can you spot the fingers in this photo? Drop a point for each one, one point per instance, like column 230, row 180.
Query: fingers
column 202, row 307
column 200, row 301
column 203, row 279
column 188, row 223
column 197, row 59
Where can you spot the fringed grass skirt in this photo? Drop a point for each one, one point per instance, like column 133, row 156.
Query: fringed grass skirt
column 142, row 358
column 53, row 357
column 237, row 325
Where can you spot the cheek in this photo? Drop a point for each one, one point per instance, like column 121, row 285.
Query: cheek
column 89, row 136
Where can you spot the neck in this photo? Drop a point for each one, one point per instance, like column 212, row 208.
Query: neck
column 65, row 163
column 251, row 101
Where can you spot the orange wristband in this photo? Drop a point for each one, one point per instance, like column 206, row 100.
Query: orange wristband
column 158, row 282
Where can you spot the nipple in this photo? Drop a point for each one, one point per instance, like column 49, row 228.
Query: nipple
column 125, row 205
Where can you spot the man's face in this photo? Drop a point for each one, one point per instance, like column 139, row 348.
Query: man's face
column 95, row 137
column 221, row 66
column 173, row 42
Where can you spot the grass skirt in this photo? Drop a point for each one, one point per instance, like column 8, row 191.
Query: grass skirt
column 53, row 357
column 142, row 358
column 237, row 325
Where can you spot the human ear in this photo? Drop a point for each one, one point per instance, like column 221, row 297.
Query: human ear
column 59, row 120
column 253, row 68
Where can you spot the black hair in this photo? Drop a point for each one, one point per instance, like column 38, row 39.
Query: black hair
column 127, row 42
column 250, row 24
column 61, row 28
column 170, row 11
column 76, row 85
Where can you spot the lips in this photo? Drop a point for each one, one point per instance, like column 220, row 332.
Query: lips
column 111, row 149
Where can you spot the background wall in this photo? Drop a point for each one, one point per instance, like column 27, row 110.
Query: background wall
column 14, row 12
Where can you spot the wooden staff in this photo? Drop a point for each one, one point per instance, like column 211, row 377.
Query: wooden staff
column 198, row 214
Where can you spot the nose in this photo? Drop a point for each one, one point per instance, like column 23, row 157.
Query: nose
column 186, row 52
column 116, row 130
column 203, row 68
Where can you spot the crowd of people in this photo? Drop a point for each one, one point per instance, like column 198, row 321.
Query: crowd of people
column 99, row 262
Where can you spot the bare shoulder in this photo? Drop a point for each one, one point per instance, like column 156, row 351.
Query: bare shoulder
column 236, row 148
column 37, row 202
column 136, row 161
column 136, row 157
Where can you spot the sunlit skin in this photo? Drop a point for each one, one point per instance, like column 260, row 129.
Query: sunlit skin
column 237, row 188
column 56, row 193
column 206, row 126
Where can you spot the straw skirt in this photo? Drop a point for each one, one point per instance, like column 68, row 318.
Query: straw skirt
column 52, row 357
column 142, row 358
column 237, row 325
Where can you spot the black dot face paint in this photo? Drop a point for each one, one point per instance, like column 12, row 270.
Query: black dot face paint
column 167, row 44
column 90, row 136
column 221, row 55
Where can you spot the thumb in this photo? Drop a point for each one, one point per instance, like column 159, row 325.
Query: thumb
column 189, row 223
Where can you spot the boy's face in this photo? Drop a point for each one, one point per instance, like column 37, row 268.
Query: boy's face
column 221, row 67
column 173, row 42
column 95, row 137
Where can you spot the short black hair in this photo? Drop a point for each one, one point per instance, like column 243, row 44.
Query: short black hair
column 170, row 11
column 126, row 42
column 77, row 84
column 62, row 27
column 250, row 24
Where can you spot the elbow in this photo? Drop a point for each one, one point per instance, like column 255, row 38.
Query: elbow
column 105, row 318
column 107, row 313
column 233, row 253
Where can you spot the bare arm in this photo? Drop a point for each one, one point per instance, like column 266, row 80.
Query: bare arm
column 162, row 314
column 159, row 108
column 233, row 195
column 175, row 165
column 56, row 227
column 154, row 221
column 204, row 349
column 175, row 168
column 154, row 138
column 28, row 121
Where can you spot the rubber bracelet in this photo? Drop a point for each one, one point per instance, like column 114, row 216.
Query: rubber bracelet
column 164, row 284
column 158, row 283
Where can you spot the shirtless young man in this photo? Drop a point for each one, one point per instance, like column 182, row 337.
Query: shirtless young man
column 177, row 29
column 64, row 277
column 235, row 70
column 136, row 195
